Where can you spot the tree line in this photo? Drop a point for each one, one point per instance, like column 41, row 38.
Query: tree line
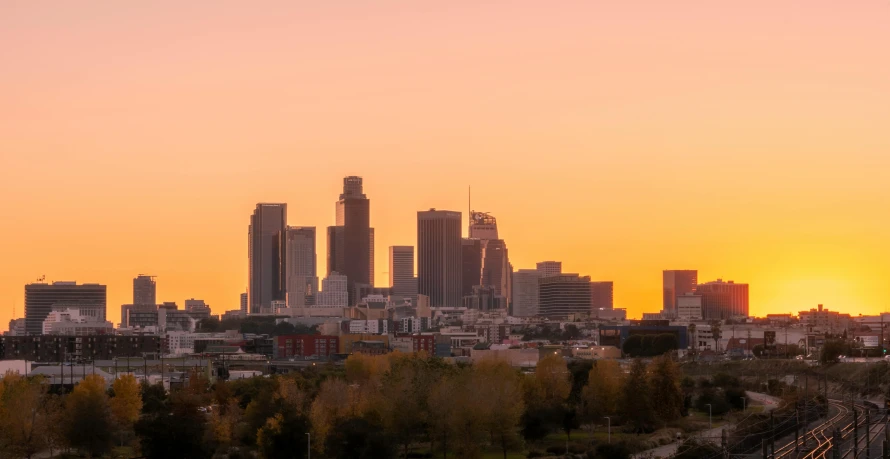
column 398, row 405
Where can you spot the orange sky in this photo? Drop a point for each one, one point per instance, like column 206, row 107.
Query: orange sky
column 747, row 140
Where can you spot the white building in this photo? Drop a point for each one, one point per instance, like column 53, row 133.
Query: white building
column 75, row 320
column 689, row 307
column 334, row 293
column 373, row 327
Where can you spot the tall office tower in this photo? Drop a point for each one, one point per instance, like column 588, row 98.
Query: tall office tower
column 471, row 265
column 550, row 268
column 266, row 256
column 602, row 295
column 525, row 292
column 40, row 299
column 563, row 295
column 401, row 272
column 333, row 292
column 301, row 273
column 244, row 303
column 723, row 300
column 496, row 270
column 145, row 290
column 677, row 282
column 439, row 257
column 351, row 241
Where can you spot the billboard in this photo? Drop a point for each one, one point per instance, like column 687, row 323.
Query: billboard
column 870, row 341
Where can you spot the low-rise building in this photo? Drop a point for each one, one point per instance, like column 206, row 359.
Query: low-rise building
column 303, row 346
column 596, row 352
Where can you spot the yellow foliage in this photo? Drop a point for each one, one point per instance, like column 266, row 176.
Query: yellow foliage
column 126, row 405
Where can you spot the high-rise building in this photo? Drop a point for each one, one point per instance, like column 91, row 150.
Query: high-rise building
column 525, row 292
column 677, row 282
column 563, row 295
column 496, row 269
column 351, row 241
column 439, row 257
column 471, row 265
column 244, row 303
column 334, row 293
column 401, row 272
column 301, row 273
column 549, row 268
column 723, row 300
column 266, row 255
column 145, row 290
column 40, row 299
column 602, row 295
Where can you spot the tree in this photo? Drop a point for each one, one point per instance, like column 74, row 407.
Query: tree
column 330, row 406
column 442, row 402
column 88, row 418
column 499, row 388
column 664, row 387
column 126, row 405
column 636, row 398
column 602, row 394
column 27, row 416
column 154, row 398
column 284, row 436
column 633, row 345
column 357, row 438
column 552, row 377
column 832, row 350
column 175, row 435
column 716, row 334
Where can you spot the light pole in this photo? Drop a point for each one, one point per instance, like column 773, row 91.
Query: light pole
column 610, row 428
column 709, row 416
column 308, row 445
column 744, row 404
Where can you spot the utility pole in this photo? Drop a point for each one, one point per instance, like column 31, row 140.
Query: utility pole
column 855, row 433
column 867, row 434
column 772, row 432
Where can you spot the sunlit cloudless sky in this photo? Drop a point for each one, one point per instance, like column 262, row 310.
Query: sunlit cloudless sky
column 748, row 140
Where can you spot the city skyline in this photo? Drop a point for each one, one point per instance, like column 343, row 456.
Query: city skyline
column 581, row 128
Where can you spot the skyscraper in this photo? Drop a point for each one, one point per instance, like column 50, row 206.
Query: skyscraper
column 144, row 290
column 496, row 269
column 723, row 300
column 40, row 299
column 401, row 271
column 677, row 282
column 439, row 257
column 549, row 268
column 601, row 295
column 243, row 303
column 563, row 295
column 351, row 241
column 471, row 265
column 525, row 292
column 266, row 257
column 301, row 273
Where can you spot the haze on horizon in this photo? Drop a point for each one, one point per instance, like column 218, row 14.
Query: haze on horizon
column 748, row 141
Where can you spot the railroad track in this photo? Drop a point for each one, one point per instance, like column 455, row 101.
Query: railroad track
column 822, row 450
column 821, row 433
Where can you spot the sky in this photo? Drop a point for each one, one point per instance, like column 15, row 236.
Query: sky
column 748, row 140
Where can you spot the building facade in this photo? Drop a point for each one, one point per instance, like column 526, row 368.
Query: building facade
column 40, row 299
column 602, row 295
column 301, row 271
column 401, row 272
column 471, row 265
column 350, row 242
column 439, row 269
column 145, row 290
column 525, row 292
column 334, row 293
column 549, row 268
column 266, row 255
column 723, row 300
column 677, row 282
column 563, row 295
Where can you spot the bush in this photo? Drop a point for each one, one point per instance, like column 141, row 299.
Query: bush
column 735, row 397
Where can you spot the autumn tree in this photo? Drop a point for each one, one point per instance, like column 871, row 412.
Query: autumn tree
column 126, row 405
column 499, row 390
column 664, row 388
column 28, row 416
column 545, row 395
column 602, row 394
column 178, row 434
column 331, row 405
column 88, row 424
column 442, row 403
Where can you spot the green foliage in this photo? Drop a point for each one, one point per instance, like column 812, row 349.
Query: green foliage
column 284, row 436
column 636, row 398
column 154, row 398
column 832, row 350
column 664, row 387
column 736, row 397
column 358, row 438
column 258, row 325
column 177, row 435
column 716, row 399
column 725, row 380
column 612, row 451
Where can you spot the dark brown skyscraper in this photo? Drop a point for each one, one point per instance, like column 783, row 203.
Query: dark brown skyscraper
column 145, row 290
column 676, row 283
column 601, row 295
column 266, row 255
column 439, row 269
column 351, row 241
column 471, row 262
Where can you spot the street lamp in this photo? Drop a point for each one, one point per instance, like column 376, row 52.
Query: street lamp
column 709, row 416
column 744, row 404
column 308, row 445
column 610, row 428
